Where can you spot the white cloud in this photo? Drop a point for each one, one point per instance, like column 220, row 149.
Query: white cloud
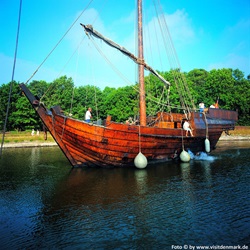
column 180, row 26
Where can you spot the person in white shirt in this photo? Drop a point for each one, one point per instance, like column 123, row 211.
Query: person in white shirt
column 88, row 115
column 186, row 127
column 201, row 106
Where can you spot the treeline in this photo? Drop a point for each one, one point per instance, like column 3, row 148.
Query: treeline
column 230, row 86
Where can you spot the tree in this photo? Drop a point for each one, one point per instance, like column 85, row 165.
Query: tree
column 38, row 88
column 4, row 98
column 156, row 93
column 241, row 97
column 230, row 86
column 24, row 117
column 120, row 103
column 220, row 84
column 198, row 78
column 84, row 97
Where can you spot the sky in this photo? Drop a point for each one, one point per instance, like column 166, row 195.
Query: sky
column 208, row 34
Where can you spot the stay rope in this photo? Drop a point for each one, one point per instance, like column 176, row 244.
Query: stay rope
column 12, row 78
column 180, row 81
column 53, row 85
column 59, row 41
column 94, row 80
column 115, row 69
column 73, row 89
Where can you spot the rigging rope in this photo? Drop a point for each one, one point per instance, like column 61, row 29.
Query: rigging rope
column 73, row 89
column 108, row 61
column 12, row 78
column 51, row 85
column 94, row 80
column 59, row 41
column 77, row 49
column 180, row 80
column 89, row 30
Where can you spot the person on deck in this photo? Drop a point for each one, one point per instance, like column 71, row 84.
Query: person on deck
column 130, row 121
column 186, row 127
column 216, row 104
column 88, row 115
column 201, row 106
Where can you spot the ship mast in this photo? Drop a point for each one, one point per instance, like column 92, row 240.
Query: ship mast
column 141, row 67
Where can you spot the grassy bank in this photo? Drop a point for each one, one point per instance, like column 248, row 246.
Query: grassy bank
column 26, row 137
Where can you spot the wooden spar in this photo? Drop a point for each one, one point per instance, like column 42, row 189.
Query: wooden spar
column 89, row 30
column 141, row 67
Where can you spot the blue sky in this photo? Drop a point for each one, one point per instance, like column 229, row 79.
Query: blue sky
column 207, row 34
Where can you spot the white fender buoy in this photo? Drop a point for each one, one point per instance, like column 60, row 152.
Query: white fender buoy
column 207, row 145
column 185, row 156
column 140, row 161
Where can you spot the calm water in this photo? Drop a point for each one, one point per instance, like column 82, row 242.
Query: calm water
column 46, row 204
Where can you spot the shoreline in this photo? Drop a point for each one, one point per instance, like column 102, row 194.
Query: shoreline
column 234, row 138
column 53, row 144
column 29, row 144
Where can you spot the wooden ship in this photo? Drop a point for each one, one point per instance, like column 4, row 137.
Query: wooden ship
column 152, row 139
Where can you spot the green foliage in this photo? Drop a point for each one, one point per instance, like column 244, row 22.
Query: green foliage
column 198, row 78
column 20, row 112
column 120, row 104
column 24, row 117
column 230, row 86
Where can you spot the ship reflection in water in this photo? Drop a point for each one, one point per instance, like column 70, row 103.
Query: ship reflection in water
column 46, row 204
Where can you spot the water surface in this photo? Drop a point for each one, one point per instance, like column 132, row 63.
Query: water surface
column 46, row 204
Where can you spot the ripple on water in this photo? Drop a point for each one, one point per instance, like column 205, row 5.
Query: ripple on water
column 205, row 201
